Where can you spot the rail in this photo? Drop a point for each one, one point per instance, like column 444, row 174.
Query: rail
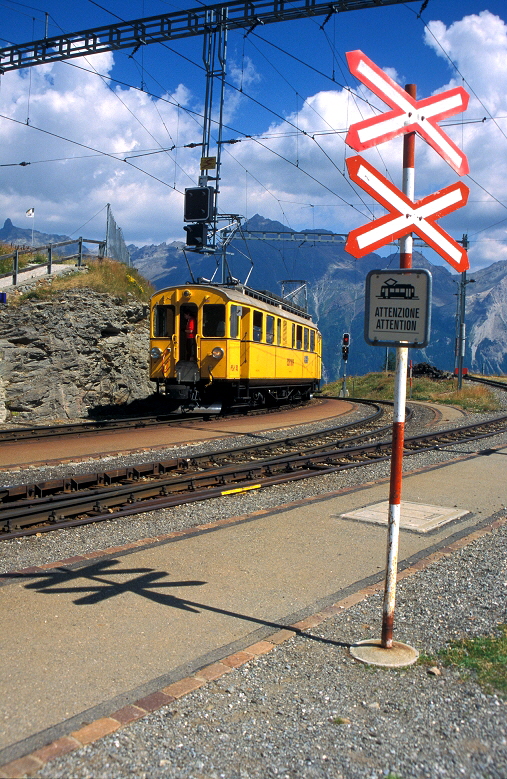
column 173, row 485
column 487, row 382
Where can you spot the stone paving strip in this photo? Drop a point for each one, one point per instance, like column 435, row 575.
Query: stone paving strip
column 29, row 765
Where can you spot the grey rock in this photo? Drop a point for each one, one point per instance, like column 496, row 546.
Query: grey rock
column 60, row 358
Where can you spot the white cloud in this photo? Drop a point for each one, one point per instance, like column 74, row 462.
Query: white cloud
column 295, row 178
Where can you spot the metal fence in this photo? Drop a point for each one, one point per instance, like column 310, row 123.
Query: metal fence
column 116, row 248
column 49, row 248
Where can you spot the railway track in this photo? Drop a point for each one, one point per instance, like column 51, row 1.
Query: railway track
column 77, row 429
column 488, row 382
column 96, row 426
column 79, row 500
column 29, row 497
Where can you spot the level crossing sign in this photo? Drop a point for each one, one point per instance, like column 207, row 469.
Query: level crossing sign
column 405, row 216
column 408, row 114
column 397, row 310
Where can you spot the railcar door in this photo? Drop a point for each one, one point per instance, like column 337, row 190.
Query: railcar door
column 245, row 338
column 233, row 353
column 187, row 346
column 163, row 339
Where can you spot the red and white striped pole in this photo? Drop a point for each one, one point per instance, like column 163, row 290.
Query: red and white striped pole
column 400, row 396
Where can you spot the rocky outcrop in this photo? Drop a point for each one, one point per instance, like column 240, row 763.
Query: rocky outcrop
column 60, row 359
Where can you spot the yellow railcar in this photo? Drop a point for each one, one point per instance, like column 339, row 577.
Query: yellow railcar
column 219, row 346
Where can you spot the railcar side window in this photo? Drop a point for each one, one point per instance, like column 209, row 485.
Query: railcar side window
column 163, row 321
column 235, row 319
column 279, row 331
column 257, row 326
column 270, row 329
column 306, row 339
column 299, row 336
column 213, row 320
column 284, row 332
column 293, row 336
column 312, row 340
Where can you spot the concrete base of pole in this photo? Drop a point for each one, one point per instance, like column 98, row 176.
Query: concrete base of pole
column 372, row 652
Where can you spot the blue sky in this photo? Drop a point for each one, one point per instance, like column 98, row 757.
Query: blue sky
column 290, row 178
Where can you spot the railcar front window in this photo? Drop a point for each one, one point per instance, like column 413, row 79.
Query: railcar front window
column 279, row 331
column 299, row 336
column 213, row 320
column 306, row 341
column 163, row 321
column 312, row 340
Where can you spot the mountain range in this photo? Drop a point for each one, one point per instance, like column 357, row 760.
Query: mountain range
column 20, row 236
column 336, row 288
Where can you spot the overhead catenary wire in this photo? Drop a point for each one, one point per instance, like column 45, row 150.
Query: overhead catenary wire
column 85, row 146
column 251, row 138
column 283, row 119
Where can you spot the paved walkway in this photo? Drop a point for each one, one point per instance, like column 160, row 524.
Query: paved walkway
column 88, row 637
column 26, row 275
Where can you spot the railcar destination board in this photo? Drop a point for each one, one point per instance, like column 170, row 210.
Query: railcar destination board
column 398, row 307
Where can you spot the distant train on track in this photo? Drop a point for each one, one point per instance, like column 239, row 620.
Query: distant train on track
column 215, row 346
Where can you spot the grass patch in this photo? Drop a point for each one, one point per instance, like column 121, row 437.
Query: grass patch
column 109, row 276
column 380, row 386
column 484, row 657
column 341, row 721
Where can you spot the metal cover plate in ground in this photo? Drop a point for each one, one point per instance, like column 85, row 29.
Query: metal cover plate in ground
column 418, row 517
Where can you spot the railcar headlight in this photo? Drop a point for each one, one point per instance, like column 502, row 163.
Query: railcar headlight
column 155, row 353
column 217, row 353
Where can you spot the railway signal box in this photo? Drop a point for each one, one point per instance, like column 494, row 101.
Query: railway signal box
column 197, row 234
column 198, row 204
column 345, row 346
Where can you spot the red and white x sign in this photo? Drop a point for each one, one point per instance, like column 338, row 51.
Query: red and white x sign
column 405, row 216
column 408, row 114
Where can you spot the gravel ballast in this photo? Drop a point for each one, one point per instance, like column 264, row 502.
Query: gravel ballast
column 62, row 544
column 306, row 709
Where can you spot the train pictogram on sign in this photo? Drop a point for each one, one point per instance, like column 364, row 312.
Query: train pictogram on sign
column 392, row 289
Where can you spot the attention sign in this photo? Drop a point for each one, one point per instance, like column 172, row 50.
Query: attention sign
column 397, row 311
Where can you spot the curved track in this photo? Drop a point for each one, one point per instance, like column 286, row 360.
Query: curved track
column 154, row 486
column 487, row 382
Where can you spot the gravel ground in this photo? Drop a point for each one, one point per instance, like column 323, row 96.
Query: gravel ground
column 307, row 709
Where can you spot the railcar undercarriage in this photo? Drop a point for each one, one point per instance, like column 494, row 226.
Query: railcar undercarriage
column 192, row 393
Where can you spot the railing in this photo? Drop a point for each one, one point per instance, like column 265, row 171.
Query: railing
column 50, row 262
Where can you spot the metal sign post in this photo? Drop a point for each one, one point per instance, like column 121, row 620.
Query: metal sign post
column 395, row 302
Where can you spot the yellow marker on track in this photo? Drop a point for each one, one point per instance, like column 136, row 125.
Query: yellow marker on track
column 242, row 489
